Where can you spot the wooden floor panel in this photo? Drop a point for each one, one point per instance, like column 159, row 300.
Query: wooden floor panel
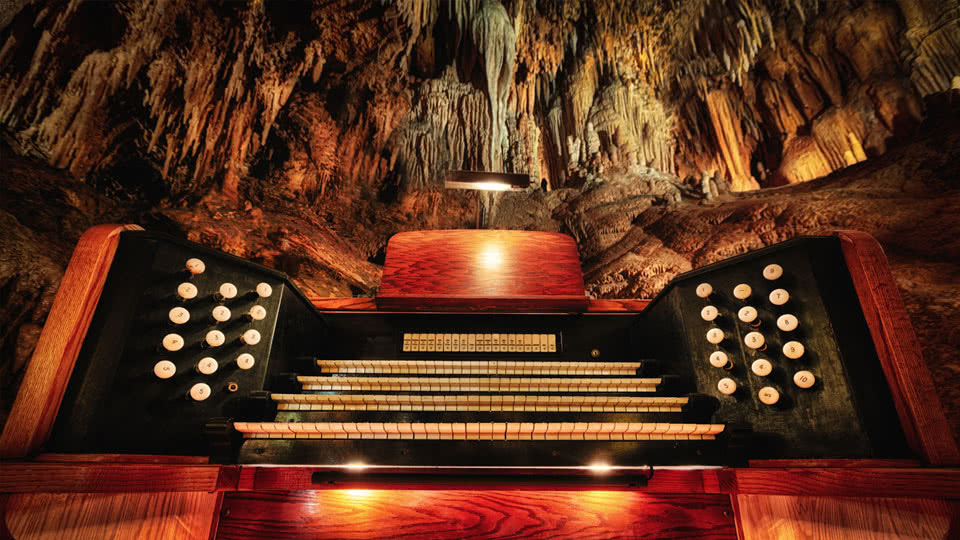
column 766, row 517
column 347, row 514
column 83, row 516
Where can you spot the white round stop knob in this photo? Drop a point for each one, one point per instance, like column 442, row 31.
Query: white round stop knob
column 747, row 314
column 793, row 349
column 742, row 291
column 754, row 340
column 704, row 290
column 719, row 359
column 221, row 314
column 172, row 342
column 772, row 271
column 215, row 338
column 164, row 369
column 250, row 337
column 804, row 379
column 199, row 391
column 179, row 315
column 727, row 386
column 258, row 313
column 715, row 335
column 207, row 366
column 769, row 395
column 761, row 367
column 195, row 266
column 227, row 290
column 245, row 361
column 187, row 291
column 264, row 290
column 709, row 313
column 779, row 297
column 787, row 322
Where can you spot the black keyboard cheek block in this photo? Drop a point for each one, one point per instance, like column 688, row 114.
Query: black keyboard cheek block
column 195, row 352
column 181, row 335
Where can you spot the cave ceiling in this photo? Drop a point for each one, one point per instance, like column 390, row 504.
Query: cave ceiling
column 666, row 134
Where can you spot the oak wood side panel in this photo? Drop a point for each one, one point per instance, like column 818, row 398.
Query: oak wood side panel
column 914, row 395
column 65, row 516
column 843, row 482
column 458, row 268
column 37, row 477
column 45, row 381
column 775, row 517
column 348, row 514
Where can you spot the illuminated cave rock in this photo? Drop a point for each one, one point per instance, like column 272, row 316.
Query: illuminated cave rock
column 304, row 134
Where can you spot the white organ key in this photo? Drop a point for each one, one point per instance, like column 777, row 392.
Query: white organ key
column 727, row 386
column 709, row 313
column 200, row 391
column 227, row 290
column 715, row 336
column 704, row 290
column 172, row 342
column 779, row 297
column 195, row 266
column 245, row 361
column 769, row 395
column 719, row 359
column 221, row 313
column 264, row 290
column 787, row 322
column 207, row 365
column 754, row 340
column 251, row 337
column 257, row 312
column 742, row 291
column 793, row 349
column 761, row 367
column 772, row 272
column 179, row 315
column 187, row 291
column 164, row 369
column 747, row 314
column 215, row 338
column 804, row 379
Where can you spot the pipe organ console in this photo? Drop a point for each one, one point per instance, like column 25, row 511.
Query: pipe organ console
column 482, row 358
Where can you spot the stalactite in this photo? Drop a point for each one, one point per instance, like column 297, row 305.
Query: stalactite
column 494, row 37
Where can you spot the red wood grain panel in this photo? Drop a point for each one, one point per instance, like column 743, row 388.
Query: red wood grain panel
column 45, row 381
column 482, row 270
column 914, row 395
column 939, row 483
column 350, row 514
column 343, row 304
column 35, row 477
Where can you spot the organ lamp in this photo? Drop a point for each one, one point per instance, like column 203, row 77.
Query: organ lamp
column 485, row 181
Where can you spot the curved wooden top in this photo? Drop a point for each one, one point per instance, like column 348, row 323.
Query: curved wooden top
column 482, row 270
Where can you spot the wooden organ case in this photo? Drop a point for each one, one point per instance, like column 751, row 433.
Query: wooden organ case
column 789, row 372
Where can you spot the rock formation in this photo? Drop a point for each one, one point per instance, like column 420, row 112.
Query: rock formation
column 303, row 134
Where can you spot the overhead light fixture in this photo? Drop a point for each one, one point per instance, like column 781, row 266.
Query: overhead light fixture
column 486, row 181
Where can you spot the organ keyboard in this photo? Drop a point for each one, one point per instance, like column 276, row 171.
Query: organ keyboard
column 767, row 355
